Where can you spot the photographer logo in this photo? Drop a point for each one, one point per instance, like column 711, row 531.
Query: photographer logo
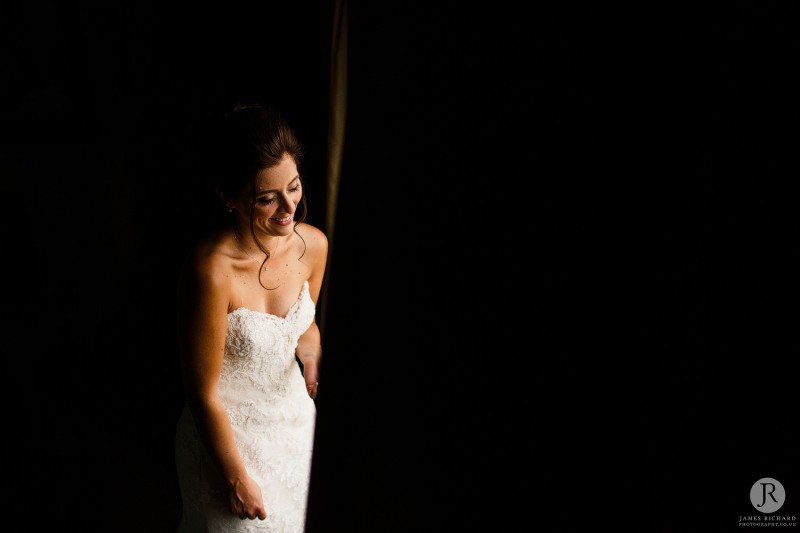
column 767, row 495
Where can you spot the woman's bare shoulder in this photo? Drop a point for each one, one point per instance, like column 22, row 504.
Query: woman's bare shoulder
column 315, row 238
column 315, row 247
column 205, row 280
column 212, row 260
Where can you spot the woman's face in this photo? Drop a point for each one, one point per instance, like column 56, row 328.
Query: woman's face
column 278, row 191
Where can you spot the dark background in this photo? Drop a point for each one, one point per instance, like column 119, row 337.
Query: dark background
column 562, row 285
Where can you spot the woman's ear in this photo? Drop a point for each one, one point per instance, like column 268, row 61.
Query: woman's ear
column 230, row 204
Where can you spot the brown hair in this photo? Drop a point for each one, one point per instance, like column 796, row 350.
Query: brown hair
column 253, row 137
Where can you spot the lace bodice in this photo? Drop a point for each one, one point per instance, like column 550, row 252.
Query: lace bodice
column 259, row 348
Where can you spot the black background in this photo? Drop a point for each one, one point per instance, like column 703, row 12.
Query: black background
column 562, row 285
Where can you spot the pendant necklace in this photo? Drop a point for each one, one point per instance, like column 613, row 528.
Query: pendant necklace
column 241, row 247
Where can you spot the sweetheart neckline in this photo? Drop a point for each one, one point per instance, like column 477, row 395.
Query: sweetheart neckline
column 292, row 308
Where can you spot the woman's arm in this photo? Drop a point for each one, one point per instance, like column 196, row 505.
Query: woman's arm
column 309, row 346
column 203, row 326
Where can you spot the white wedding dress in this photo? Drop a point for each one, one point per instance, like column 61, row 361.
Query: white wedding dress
column 273, row 421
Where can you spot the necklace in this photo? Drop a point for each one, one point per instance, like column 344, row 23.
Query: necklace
column 242, row 248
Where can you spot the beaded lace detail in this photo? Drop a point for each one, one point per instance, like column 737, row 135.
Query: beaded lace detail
column 273, row 421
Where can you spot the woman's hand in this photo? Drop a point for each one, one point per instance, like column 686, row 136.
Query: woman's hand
column 311, row 375
column 246, row 500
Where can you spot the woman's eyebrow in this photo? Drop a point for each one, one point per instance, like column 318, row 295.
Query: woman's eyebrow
column 273, row 190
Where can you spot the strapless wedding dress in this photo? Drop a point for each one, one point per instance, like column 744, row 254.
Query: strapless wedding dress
column 273, row 419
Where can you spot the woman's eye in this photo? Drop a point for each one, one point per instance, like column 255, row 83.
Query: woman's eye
column 266, row 201
column 295, row 188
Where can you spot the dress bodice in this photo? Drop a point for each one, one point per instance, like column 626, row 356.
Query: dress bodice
column 260, row 347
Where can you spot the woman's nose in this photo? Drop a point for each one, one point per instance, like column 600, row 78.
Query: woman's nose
column 287, row 203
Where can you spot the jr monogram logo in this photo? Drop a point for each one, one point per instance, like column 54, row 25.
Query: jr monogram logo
column 767, row 495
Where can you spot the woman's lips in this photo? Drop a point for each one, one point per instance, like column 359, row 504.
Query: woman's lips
column 283, row 221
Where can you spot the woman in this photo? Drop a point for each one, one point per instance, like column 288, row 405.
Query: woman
column 246, row 317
